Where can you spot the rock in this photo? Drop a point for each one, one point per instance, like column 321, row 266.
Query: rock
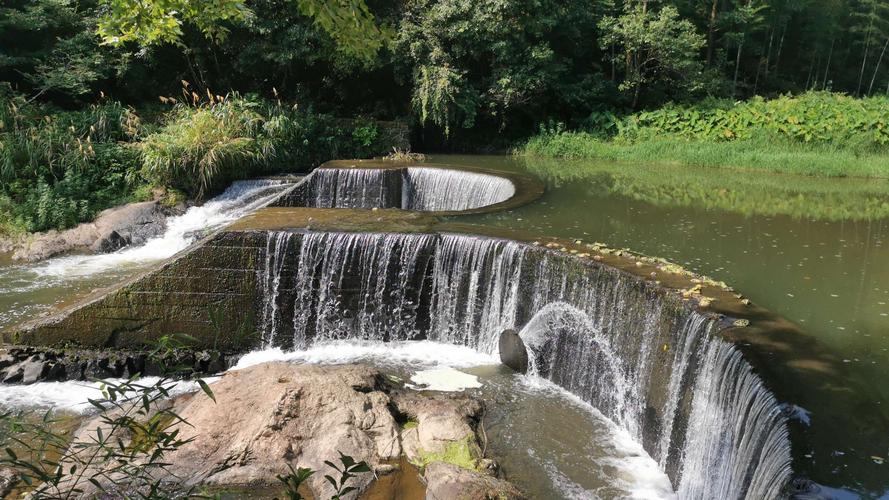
column 27, row 365
column 275, row 414
column 442, row 419
column 32, row 369
column 445, row 480
column 512, row 351
column 115, row 228
column 109, row 243
column 8, row 480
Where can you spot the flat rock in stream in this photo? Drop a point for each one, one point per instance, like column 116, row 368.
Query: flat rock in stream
column 448, row 481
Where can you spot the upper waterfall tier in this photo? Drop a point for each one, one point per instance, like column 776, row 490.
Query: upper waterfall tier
column 427, row 189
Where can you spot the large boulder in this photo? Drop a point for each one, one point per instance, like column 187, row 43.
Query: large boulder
column 444, row 480
column 442, row 420
column 274, row 416
column 117, row 227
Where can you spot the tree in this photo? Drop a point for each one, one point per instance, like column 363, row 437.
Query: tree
column 870, row 20
column 51, row 46
column 654, row 47
column 498, row 63
column 147, row 22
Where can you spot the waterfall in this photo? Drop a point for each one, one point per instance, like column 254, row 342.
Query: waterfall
column 411, row 188
column 437, row 189
column 241, row 198
column 275, row 257
column 350, row 188
column 650, row 363
column 729, row 398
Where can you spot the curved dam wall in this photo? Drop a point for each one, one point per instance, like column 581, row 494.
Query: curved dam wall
column 636, row 351
column 643, row 357
column 409, row 188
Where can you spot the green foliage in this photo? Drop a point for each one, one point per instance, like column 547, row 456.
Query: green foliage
column 813, row 117
column 759, row 154
column 654, row 47
column 203, row 147
column 61, row 168
column 294, row 480
column 161, row 21
column 494, row 63
column 440, row 97
column 816, row 133
column 350, row 23
column 347, row 470
column 150, row 22
column 50, row 46
column 124, row 453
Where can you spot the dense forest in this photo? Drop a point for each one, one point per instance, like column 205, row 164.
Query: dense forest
column 506, row 64
column 93, row 87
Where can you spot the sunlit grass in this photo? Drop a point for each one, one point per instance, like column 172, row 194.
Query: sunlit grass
column 754, row 154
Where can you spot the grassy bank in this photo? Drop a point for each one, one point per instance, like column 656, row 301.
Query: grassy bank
column 814, row 134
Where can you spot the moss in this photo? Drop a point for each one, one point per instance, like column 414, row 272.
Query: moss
column 173, row 197
column 463, row 453
column 410, row 424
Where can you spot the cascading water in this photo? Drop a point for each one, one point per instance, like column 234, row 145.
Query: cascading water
column 350, row 188
column 436, row 189
column 29, row 289
column 241, row 198
column 411, row 188
column 643, row 359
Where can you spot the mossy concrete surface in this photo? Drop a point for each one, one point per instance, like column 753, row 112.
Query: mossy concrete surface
column 207, row 293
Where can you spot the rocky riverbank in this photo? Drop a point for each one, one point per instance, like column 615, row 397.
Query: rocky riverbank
column 27, row 365
column 113, row 229
column 272, row 416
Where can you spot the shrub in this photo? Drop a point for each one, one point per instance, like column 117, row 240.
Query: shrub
column 202, row 148
column 816, row 133
column 813, row 117
column 60, row 168
column 199, row 148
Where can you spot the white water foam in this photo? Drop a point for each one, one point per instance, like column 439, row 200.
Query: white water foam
column 417, row 354
column 639, row 474
column 436, row 362
column 444, row 379
column 74, row 396
column 241, row 198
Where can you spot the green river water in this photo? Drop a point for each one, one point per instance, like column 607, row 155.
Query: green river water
column 815, row 251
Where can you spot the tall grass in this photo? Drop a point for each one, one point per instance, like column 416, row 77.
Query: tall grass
column 814, row 134
column 772, row 155
column 200, row 148
column 58, row 168
column 203, row 146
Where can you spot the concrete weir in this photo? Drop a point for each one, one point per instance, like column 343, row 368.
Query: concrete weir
column 362, row 252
